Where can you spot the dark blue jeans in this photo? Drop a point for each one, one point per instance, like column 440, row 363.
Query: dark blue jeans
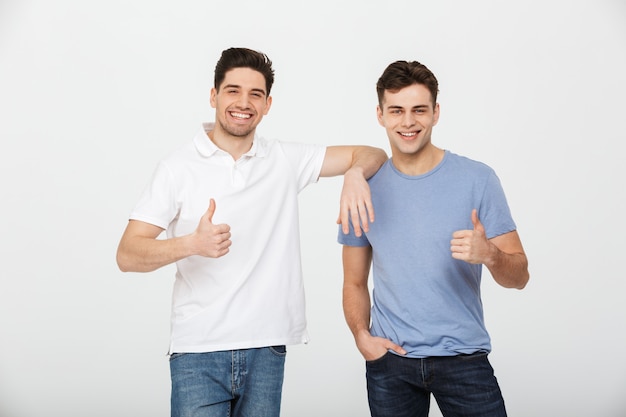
column 234, row 383
column 462, row 385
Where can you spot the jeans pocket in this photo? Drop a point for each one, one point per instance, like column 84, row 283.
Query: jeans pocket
column 469, row 357
column 176, row 355
column 378, row 360
column 280, row 350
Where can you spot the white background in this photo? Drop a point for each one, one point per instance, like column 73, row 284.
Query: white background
column 93, row 94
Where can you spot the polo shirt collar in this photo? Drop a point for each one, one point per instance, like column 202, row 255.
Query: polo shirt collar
column 207, row 148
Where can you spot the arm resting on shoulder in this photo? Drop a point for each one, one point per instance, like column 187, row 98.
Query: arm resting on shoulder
column 365, row 160
column 357, row 164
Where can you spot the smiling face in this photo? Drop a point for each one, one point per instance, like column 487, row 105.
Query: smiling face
column 408, row 115
column 240, row 103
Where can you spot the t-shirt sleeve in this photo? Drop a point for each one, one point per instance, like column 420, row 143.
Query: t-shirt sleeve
column 495, row 214
column 351, row 239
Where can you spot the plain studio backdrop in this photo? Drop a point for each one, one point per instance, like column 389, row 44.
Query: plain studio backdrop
column 94, row 93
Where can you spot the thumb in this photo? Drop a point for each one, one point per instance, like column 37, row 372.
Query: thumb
column 396, row 348
column 475, row 221
column 211, row 210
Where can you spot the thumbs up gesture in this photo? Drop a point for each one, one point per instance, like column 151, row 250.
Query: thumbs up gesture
column 471, row 246
column 211, row 240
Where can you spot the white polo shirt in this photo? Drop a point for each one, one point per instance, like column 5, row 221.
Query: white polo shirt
column 254, row 295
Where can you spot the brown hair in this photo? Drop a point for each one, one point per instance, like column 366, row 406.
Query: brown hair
column 244, row 58
column 402, row 74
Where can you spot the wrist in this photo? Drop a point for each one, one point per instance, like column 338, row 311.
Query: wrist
column 361, row 334
column 355, row 171
column 493, row 255
column 190, row 244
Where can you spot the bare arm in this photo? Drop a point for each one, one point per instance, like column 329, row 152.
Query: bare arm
column 357, row 164
column 503, row 255
column 356, row 303
column 140, row 250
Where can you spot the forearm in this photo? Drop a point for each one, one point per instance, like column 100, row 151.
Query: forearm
column 356, row 297
column 508, row 269
column 367, row 160
column 145, row 254
column 363, row 161
column 356, row 307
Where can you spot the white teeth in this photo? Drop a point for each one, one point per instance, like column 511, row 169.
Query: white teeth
column 407, row 134
column 240, row 115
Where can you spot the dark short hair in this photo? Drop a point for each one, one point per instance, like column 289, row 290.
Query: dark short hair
column 402, row 74
column 244, row 58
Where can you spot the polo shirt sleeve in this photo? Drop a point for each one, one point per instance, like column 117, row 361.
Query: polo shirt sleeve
column 306, row 159
column 157, row 204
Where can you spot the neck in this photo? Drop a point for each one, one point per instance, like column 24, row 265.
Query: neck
column 234, row 145
column 418, row 163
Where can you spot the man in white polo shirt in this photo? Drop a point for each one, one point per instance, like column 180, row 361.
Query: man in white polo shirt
column 228, row 203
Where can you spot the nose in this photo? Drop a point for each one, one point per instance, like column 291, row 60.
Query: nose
column 408, row 119
column 243, row 101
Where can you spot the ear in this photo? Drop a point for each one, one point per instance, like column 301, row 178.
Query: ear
column 213, row 97
column 436, row 114
column 268, row 104
column 379, row 116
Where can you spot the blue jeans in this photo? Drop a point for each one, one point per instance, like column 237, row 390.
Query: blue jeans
column 462, row 385
column 245, row 382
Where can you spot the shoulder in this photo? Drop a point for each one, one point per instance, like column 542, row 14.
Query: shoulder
column 467, row 164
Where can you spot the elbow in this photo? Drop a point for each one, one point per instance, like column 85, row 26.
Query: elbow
column 514, row 282
column 121, row 258
column 121, row 263
column 517, row 276
column 525, row 276
column 521, row 286
column 519, row 283
column 382, row 157
column 124, row 262
column 522, row 282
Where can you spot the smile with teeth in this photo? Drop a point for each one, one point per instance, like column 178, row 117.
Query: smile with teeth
column 240, row 115
column 408, row 134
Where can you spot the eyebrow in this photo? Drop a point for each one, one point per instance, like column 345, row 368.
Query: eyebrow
column 419, row 106
column 258, row 90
